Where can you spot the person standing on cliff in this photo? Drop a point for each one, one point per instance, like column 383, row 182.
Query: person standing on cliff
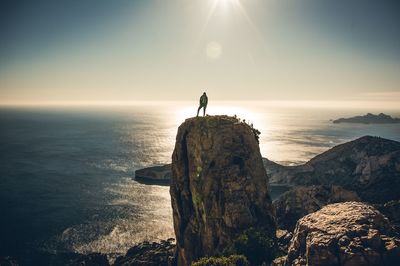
column 203, row 104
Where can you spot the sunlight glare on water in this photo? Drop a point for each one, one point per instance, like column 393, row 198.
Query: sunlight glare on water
column 139, row 212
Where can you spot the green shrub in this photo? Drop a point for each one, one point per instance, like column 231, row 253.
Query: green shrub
column 255, row 244
column 233, row 260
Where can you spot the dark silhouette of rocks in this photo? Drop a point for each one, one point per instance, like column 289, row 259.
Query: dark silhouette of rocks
column 369, row 119
column 148, row 254
column 368, row 165
column 350, row 233
column 93, row 259
column 219, row 186
column 300, row 201
column 391, row 210
column 8, row 261
column 160, row 175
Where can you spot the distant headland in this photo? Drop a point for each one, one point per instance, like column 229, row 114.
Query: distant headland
column 369, row 119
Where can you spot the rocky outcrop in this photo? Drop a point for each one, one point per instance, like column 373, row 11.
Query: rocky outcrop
column 350, row 233
column 219, row 186
column 368, row 165
column 148, row 254
column 283, row 238
column 369, row 119
column 300, row 201
column 154, row 175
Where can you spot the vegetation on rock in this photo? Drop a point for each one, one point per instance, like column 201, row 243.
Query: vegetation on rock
column 233, row 260
column 255, row 244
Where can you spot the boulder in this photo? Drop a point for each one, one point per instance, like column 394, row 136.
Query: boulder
column 219, row 186
column 349, row 233
column 300, row 201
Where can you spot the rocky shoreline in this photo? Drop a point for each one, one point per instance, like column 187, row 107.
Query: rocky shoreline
column 223, row 164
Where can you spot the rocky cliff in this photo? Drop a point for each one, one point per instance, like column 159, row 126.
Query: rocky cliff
column 350, row 233
column 368, row 165
column 219, row 187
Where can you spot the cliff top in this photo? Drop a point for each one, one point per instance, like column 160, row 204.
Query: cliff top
column 215, row 121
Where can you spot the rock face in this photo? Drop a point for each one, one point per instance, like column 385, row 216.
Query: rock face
column 300, row 201
column 219, row 186
column 350, row 233
column 368, row 165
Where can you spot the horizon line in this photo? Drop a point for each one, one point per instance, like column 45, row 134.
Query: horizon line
column 352, row 104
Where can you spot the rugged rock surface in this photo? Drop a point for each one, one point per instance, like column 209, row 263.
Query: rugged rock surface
column 300, row 201
column 219, row 186
column 283, row 238
column 350, row 233
column 368, row 165
column 148, row 254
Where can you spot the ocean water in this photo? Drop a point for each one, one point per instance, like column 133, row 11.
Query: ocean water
column 66, row 173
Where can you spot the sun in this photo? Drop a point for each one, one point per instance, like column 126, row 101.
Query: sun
column 226, row 2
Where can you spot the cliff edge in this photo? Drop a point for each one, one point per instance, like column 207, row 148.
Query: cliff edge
column 219, row 187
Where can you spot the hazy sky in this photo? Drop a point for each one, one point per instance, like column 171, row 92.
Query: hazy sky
column 103, row 50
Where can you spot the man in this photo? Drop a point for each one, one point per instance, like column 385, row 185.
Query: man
column 203, row 104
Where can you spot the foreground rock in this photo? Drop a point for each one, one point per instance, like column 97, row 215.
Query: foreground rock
column 219, row 186
column 368, row 165
column 350, row 233
column 300, row 201
column 369, row 119
column 151, row 254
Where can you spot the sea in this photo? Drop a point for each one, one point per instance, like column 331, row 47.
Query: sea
column 67, row 181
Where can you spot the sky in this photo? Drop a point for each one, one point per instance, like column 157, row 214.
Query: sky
column 127, row 51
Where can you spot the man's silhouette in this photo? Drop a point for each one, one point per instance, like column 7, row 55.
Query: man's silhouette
column 203, row 104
